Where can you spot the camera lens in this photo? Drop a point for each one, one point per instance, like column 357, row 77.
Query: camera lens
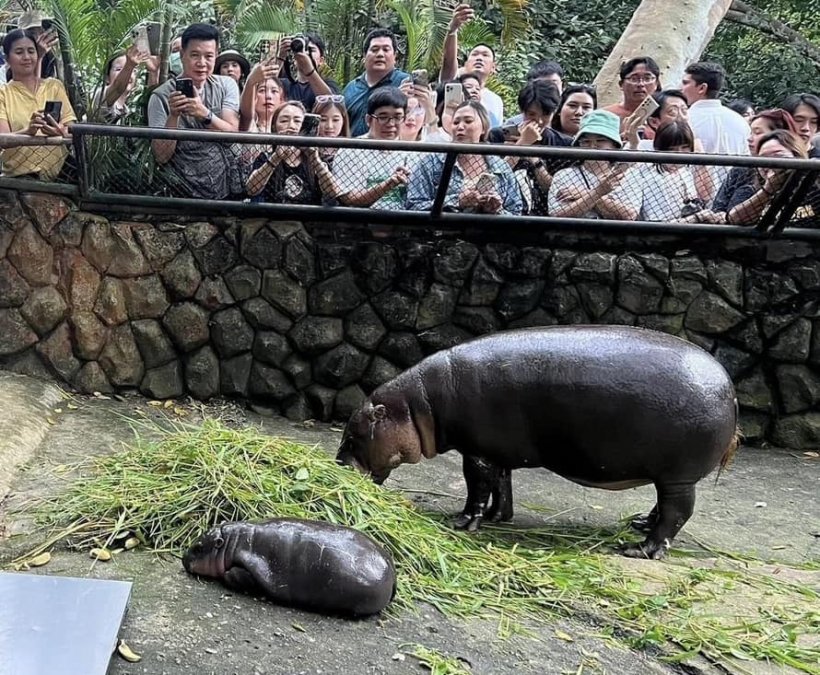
column 297, row 45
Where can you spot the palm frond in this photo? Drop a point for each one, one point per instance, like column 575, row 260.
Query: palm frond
column 264, row 22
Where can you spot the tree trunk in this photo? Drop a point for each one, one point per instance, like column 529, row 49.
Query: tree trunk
column 166, row 37
column 673, row 33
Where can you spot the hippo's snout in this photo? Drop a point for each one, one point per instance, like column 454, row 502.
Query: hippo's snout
column 204, row 556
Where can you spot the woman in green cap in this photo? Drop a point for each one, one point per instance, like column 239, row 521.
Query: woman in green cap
column 591, row 189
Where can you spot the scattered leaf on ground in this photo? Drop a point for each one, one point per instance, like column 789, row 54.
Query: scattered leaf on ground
column 125, row 652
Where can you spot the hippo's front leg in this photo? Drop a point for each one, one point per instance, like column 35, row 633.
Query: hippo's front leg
column 501, row 508
column 481, row 478
column 675, row 506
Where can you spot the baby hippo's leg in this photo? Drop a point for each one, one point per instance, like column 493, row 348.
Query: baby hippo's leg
column 501, row 508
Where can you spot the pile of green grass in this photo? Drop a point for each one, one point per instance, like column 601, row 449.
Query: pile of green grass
column 169, row 490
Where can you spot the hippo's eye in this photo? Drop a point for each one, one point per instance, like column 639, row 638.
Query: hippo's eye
column 219, row 542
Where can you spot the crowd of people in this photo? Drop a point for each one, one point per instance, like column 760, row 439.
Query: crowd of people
column 287, row 93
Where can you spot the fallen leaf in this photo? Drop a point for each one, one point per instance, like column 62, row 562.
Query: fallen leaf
column 58, row 410
column 125, row 652
column 180, row 412
column 71, row 406
column 100, row 554
column 398, row 656
column 760, row 505
column 309, row 424
column 566, row 637
column 596, row 507
column 337, row 429
column 51, row 420
column 156, row 404
column 812, row 454
column 39, row 560
column 169, row 403
column 299, row 627
column 131, row 542
column 779, row 547
column 302, row 474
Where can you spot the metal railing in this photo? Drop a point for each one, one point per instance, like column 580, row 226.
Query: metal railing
column 108, row 158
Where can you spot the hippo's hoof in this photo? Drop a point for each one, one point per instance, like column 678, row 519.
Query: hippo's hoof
column 645, row 550
column 469, row 522
column 495, row 515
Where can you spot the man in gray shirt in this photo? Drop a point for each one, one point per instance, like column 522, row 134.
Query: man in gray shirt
column 199, row 169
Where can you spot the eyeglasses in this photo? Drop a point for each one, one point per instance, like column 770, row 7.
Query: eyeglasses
column 387, row 119
column 641, row 79
column 330, row 98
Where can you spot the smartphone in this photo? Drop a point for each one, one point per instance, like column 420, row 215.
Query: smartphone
column 53, row 109
column 185, row 85
column 453, row 94
column 511, row 132
column 645, row 109
column 141, row 39
column 420, row 78
column 310, row 125
column 154, row 30
column 486, row 183
column 47, row 24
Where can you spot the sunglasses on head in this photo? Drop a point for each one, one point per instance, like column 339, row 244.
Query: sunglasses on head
column 330, row 98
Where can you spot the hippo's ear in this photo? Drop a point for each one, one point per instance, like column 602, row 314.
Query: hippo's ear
column 377, row 413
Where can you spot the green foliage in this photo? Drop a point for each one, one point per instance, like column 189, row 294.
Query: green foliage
column 761, row 69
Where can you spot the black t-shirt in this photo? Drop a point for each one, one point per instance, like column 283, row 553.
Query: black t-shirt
column 549, row 137
column 289, row 184
column 302, row 91
column 740, row 186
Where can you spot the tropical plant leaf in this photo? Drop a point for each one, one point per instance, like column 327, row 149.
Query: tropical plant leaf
column 264, row 22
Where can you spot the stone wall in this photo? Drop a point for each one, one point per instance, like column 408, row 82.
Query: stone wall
column 307, row 322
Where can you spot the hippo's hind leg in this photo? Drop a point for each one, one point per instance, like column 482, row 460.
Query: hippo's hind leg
column 676, row 502
column 647, row 522
column 239, row 579
column 481, row 478
column 501, row 508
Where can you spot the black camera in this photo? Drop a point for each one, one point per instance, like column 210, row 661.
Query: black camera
column 299, row 43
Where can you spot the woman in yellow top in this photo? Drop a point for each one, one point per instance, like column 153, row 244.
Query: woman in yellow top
column 22, row 106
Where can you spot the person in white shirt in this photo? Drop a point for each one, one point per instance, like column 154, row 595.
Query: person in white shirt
column 480, row 62
column 721, row 130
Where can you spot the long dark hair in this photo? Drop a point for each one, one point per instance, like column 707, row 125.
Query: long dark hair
column 569, row 91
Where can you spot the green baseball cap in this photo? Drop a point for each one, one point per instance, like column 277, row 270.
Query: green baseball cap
column 603, row 123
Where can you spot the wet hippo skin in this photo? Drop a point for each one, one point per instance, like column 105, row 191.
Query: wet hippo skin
column 611, row 407
column 310, row 564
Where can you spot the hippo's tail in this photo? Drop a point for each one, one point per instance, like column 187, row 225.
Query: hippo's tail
column 732, row 448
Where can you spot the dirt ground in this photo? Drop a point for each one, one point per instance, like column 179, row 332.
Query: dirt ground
column 766, row 506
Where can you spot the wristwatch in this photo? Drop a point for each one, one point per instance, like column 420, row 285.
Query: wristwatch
column 208, row 118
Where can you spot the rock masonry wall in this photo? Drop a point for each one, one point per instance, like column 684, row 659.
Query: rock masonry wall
column 309, row 323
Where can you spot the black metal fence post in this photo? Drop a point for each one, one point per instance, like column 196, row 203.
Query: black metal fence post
column 83, row 166
column 444, row 184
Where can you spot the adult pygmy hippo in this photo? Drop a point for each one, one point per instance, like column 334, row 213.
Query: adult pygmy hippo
column 322, row 567
column 612, row 407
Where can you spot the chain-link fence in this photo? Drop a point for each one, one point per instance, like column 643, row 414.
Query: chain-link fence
column 442, row 180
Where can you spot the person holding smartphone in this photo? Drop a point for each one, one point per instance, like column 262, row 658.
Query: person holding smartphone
column 198, row 99
column 24, row 103
column 286, row 174
column 111, row 101
column 479, row 183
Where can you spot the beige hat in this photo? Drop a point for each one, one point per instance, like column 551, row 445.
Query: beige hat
column 31, row 19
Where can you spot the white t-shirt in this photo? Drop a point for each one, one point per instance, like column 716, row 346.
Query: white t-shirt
column 578, row 177
column 660, row 194
column 722, row 131
column 360, row 169
column 494, row 105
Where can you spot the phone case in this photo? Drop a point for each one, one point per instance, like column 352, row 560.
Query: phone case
column 453, row 93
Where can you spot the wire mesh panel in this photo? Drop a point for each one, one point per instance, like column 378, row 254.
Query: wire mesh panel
column 484, row 180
